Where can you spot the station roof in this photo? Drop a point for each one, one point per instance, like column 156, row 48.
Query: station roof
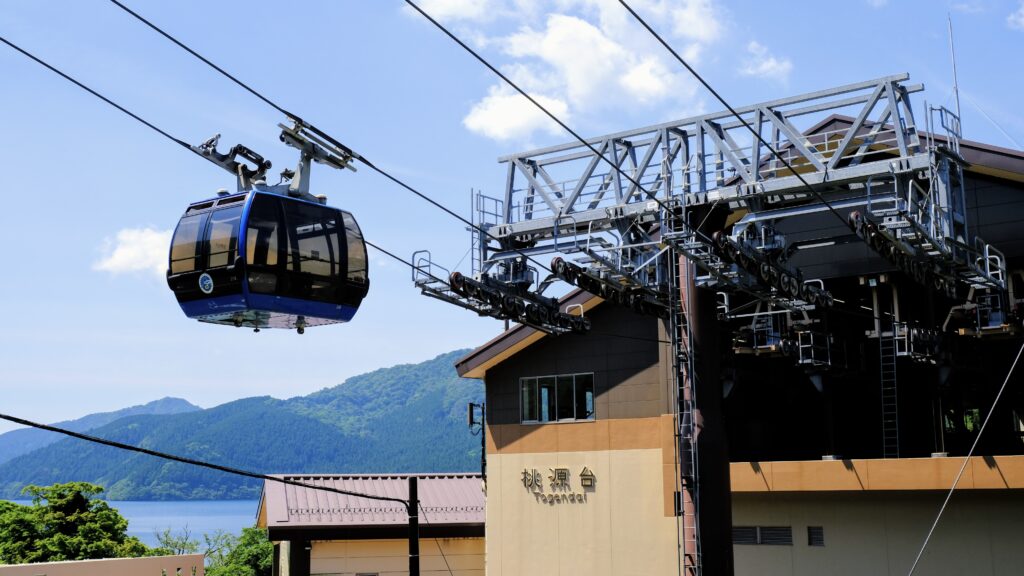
column 982, row 158
column 451, row 504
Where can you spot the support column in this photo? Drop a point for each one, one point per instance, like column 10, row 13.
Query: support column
column 298, row 557
column 715, row 497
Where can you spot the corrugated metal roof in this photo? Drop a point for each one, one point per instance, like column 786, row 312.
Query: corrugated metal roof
column 446, row 500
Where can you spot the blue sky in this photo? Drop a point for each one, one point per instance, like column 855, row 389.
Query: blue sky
column 91, row 195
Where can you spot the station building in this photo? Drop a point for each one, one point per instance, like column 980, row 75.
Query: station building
column 581, row 469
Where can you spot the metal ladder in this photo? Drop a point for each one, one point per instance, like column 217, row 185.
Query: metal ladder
column 887, row 378
column 687, row 503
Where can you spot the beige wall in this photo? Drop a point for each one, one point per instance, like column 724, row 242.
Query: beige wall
column 620, row 529
column 879, row 533
column 465, row 557
column 113, row 567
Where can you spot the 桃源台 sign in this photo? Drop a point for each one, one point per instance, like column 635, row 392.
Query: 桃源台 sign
column 560, row 485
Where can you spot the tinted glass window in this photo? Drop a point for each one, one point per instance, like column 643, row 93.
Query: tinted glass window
column 263, row 236
column 553, row 398
column 528, row 399
column 565, row 398
column 223, row 236
column 312, row 250
column 584, row 396
column 185, row 245
column 546, row 388
column 356, row 250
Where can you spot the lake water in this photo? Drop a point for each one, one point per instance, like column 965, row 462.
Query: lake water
column 146, row 519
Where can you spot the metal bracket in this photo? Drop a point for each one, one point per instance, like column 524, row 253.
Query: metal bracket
column 245, row 174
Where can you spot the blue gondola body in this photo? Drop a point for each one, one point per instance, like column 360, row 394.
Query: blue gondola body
column 266, row 260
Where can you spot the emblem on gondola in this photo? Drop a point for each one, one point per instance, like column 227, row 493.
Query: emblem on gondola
column 206, row 283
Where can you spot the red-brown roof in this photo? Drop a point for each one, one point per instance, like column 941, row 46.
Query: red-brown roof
column 446, row 500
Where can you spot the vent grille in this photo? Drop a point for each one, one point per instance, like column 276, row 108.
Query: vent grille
column 744, row 535
column 776, row 535
column 815, row 536
column 766, row 535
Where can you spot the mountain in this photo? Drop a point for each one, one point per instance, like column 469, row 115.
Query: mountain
column 22, row 441
column 407, row 418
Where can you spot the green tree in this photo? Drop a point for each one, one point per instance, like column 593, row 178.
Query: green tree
column 171, row 543
column 64, row 522
column 252, row 555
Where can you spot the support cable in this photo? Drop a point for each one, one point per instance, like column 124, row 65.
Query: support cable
column 436, row 540
column 540, row 106
column 733, row 111
column 193, row 462
column 317, row 131
column 651, row 195
column 157, row 129
column 184, row 144
column 138, row 118
column 967, row 460
column 756, row 134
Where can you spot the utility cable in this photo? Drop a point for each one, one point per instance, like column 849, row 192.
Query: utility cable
column 39, row 61
column 162, row 132
column 193, row 462
column 733, row 111
column 540, row 106
column 185, row 145
column 436, row 540
column 778, row 155
column 318, row 132
column 967, row 460
column 613, row 165
column 593, row 149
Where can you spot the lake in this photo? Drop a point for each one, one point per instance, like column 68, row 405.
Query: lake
column 146, row 519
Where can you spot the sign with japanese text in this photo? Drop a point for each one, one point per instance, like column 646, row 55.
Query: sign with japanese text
column 559, row 485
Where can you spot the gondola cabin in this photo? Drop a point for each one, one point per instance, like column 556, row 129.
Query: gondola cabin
column 267, row 260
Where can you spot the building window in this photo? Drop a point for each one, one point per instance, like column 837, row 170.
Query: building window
column 815, row 536
column 565, row 397
column 767, row 535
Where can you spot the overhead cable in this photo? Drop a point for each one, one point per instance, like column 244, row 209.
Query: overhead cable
column 534, row 101
column 98, row 95
column 733, row 111
column 966, row 461
column 601, row 156
column 194, row 462
column 316, row 130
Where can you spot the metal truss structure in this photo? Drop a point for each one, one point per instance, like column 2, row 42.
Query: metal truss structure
column 622, row 211
column 648, row 193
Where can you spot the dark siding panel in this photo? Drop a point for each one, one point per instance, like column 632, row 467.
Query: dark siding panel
column 621, row 352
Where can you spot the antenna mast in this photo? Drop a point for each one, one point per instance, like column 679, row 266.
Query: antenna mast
column 956, row 85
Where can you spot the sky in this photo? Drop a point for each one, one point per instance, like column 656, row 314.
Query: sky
column 90, row 324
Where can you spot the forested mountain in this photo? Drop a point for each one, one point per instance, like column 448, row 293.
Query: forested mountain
column 22, row 441
column 407, row 418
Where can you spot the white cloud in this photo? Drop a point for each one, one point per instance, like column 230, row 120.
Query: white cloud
column 762, row 64
column 1016, row 19
column 696, row 20
column 136, row 250
column 877, row 3
column 507, row 115
column 590, row 57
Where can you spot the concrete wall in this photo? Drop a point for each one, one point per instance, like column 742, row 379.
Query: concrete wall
column 465, row 557
column 880, row 533
column 622, row 525
column 155, row 566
